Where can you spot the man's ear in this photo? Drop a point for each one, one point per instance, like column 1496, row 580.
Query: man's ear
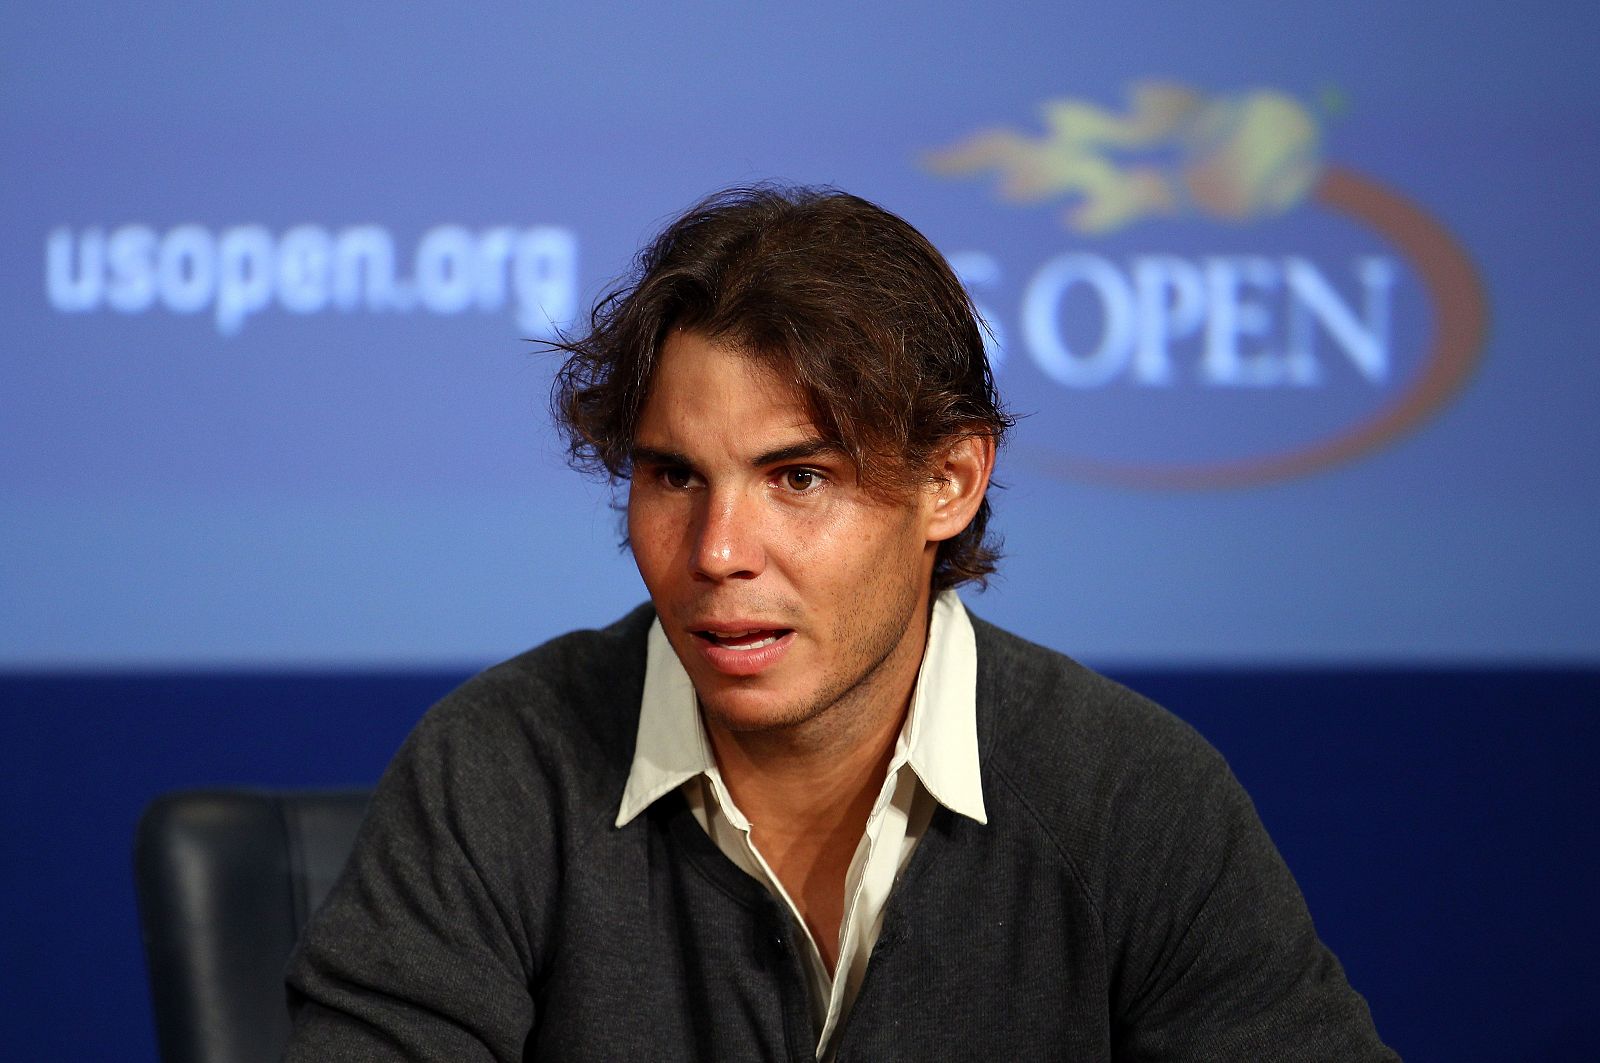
column 961, row 478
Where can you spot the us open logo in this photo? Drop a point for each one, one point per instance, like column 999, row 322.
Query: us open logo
column 1215, row 304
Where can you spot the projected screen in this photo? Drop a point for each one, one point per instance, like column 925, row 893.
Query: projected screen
column 1294, row 301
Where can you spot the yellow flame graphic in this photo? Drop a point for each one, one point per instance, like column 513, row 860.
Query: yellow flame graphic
column 1175, row 152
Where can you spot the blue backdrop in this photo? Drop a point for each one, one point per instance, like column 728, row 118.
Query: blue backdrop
column 1294, row 300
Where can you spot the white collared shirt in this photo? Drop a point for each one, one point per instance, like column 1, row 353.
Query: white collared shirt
column 939, row 742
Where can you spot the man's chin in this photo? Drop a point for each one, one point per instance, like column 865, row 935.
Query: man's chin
column 742, row 710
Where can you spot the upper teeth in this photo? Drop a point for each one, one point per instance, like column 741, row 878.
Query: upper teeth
column 769, row 640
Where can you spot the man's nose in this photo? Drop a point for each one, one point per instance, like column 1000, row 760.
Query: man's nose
column 729, row 544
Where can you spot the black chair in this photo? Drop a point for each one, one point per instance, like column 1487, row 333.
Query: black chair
column 226, row 879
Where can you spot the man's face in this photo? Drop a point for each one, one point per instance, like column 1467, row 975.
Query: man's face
column 786, row 589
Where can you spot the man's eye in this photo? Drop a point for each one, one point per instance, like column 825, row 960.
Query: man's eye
column 801, row 480
column 676, row 478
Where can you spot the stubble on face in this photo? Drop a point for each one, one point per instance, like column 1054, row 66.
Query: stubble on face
column 720, row 534
column 876, row 671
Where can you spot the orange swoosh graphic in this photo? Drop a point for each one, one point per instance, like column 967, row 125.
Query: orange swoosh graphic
column 1461, row 323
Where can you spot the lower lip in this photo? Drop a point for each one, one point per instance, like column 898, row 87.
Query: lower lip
column 743, row 662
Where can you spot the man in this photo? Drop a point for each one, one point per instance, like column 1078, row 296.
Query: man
column 802, row 805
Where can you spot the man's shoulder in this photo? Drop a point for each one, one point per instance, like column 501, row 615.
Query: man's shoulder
column 1075, row 745
column 1026, row 687
column 581, row 664
column 572, row 699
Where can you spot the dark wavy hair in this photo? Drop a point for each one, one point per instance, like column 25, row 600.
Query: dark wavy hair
column 835, row 294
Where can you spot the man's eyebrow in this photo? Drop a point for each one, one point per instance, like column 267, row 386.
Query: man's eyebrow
column 807, row 448
column 651, row 456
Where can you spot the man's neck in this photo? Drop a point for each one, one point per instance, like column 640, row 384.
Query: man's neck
column 808, row 790
column 797, row 779
column 798, row 783
column 807, row 811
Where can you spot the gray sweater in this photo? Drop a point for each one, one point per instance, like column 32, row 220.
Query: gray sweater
column 1122, row 903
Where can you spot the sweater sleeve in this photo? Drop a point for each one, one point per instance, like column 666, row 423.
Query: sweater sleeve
column 1216, row 956
column 427, row 946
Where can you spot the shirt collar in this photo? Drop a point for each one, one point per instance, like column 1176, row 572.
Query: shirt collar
column 672, row 746
column 942, row 728
column 940, row 737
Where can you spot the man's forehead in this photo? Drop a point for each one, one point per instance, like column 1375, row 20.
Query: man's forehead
column 706, row 393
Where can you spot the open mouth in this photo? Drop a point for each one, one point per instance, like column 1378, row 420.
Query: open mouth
column 753, row 639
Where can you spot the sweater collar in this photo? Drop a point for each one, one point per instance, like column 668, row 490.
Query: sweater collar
column 939, row 740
